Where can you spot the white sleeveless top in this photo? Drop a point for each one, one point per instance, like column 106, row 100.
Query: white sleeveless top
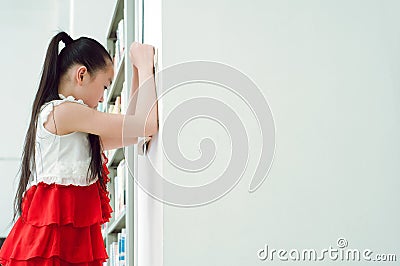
column 61, row 159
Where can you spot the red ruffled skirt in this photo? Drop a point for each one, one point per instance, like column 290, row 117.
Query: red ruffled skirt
column 59, row 225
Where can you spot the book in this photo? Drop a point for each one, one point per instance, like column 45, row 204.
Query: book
column 120, row 197
column 116, row 193
column 120, row 37
column 117, row 106
column 119, row 45
column 111, row 108
column 117, row 254
column 124, row 98
column 122, row 248
column 113, row 254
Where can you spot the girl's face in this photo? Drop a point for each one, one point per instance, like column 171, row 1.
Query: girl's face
column 94, row 86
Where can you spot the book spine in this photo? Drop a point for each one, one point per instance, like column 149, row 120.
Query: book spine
column 116, row 253
column 121, row 185
column 121, row 37
column 124, row 98
column 123, row 246
column 116, row 192
column 119, row 248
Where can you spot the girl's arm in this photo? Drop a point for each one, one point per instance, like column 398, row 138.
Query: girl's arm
column 147, row 95
column 147, row 100
column 117, row 130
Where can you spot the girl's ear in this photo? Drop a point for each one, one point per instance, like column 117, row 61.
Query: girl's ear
column 81, row 73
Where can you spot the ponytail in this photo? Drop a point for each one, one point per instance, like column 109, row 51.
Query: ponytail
column 51, row 74
column 83, row 51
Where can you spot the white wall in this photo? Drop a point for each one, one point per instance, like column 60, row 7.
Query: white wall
column 26, row 31
column 91, row 18
column 329, row 72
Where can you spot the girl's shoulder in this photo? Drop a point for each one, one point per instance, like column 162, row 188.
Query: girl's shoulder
column 63, row 99
column 48, row 107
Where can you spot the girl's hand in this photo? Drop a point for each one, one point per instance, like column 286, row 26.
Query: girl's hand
column 142, row 55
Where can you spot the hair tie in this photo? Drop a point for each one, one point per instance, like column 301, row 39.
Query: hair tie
column 67, row 40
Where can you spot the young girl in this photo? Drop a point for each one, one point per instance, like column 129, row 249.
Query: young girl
column 62, row 198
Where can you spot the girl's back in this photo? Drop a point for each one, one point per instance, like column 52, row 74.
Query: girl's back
column 60, row 158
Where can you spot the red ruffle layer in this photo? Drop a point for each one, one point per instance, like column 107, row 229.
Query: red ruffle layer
column 46, row 204
column 59, row 225
column 71, row 244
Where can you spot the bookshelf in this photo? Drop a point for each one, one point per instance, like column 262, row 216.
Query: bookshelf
column 120, row 35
